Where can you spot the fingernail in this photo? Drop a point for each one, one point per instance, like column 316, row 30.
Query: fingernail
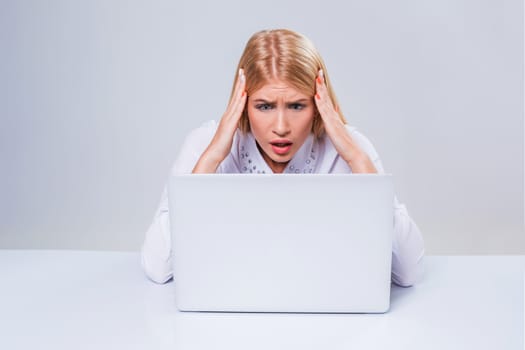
column 243, row 93
column 321, row 73
column 317, row 96
column 319, row 80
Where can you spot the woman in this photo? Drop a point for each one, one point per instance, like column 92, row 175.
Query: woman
column 283, row 117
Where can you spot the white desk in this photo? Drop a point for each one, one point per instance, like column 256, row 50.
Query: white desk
column 101, row 300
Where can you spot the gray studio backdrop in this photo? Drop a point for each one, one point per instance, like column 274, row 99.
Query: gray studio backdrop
column 96, row 97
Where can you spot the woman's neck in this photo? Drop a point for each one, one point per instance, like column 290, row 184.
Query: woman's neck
column 277, row 167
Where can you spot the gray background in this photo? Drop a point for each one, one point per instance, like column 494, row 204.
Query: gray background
column 96, row 97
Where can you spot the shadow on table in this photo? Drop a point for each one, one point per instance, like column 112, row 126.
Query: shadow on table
column 398, row 296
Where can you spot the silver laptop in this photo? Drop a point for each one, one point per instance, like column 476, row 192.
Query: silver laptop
column 282, row 243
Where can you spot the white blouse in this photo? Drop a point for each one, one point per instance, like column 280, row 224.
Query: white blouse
column 314, row 156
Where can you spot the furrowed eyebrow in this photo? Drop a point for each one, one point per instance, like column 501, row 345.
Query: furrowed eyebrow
column 260, row 100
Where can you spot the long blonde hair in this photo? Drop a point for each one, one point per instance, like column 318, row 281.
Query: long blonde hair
column 290, row 57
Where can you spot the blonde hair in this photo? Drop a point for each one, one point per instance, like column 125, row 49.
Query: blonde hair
column 289, row 56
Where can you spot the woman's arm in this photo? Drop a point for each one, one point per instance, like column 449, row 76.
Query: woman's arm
column 407, row 242
column 156, row 249
column 347, row 148
column 359, row 154
column 221, row 143
column 203, row 152
column 407, row 248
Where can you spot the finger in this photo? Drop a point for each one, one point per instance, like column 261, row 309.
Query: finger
column 239, row 90
column 322, row 97
column 238, row 101
column 241, row 80
column 321, row 90
column 239, row 106
column 320, row 77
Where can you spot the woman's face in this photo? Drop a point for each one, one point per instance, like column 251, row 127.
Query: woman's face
column 281, row 119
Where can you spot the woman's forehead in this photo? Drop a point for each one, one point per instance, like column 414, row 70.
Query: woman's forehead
column 278, row 88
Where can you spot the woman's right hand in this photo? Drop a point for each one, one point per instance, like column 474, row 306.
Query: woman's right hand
column 221, row 143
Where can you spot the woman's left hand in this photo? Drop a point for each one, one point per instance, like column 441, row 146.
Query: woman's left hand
column 347, row 148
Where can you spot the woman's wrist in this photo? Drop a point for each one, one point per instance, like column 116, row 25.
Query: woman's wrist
column 207, row 163
column 360, row 163
column 348, row 149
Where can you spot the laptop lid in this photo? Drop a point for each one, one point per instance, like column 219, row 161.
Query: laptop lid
column 282, row 243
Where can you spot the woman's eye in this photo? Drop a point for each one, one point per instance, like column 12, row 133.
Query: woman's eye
column 297, row 106
column 263, row 106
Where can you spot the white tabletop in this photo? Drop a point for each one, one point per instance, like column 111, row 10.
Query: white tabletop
column 102, row 300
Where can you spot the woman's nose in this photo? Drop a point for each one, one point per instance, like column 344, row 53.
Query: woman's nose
column 281, row 127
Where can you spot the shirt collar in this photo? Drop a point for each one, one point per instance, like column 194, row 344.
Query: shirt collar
column 251, row 160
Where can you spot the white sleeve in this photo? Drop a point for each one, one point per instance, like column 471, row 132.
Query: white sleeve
column 156, row 249
column 407, row 242
column 407, row 248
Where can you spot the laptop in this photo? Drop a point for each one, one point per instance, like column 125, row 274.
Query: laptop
column 313, row 243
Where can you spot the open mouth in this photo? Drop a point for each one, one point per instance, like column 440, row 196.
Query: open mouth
column 281, row 147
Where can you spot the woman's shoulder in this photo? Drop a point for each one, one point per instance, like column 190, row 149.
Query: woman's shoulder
column 193, row 146
column 196, row 142
column 202, row 133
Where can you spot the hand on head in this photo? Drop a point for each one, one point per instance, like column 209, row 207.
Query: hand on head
column 347, row 148
column 221, row 143
column 327, row 110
